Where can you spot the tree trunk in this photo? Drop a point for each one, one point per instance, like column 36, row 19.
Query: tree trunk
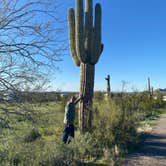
column 86, row 88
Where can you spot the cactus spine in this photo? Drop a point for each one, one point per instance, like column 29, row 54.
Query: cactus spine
column 86, row 48
column 108, row 85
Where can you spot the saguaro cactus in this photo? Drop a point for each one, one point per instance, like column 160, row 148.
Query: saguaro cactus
column 86, row 48
column 108, row 85
column 149, row 88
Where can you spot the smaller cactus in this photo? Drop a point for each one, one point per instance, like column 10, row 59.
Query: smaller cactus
column 149, row 88
column 108, row 85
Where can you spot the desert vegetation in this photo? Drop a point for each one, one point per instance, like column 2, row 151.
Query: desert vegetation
column 34, row 138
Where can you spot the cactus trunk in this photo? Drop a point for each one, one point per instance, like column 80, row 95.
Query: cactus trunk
column 86, row 88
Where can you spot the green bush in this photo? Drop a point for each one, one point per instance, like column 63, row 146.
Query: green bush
column 79, row 150
column 114, row 127
column 62, row 156
column 116, row 120
column 33, row 135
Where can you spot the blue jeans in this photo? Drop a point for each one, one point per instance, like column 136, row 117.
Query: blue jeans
column 68, row 131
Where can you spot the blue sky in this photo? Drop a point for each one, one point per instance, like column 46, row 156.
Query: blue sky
column 134, row 37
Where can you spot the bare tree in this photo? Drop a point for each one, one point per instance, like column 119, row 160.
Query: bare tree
column 30, row 41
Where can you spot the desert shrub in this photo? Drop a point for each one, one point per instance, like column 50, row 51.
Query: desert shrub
column 86, row 145
column 4, row 123
column 158, row 101
column 43, row 152
column 33, row 135
column 3, row 156
column 80, row 149
column 16, row 160
column 116, row 120
column 62, row 155
column 99, row 95
column 31, row 153
column 114, row 132
column 114, row 126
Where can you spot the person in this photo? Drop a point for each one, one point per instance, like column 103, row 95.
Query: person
column 69, row 118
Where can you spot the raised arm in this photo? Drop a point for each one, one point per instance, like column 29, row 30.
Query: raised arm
column 80, row 98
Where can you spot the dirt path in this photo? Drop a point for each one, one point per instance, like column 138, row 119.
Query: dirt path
column 153, row 151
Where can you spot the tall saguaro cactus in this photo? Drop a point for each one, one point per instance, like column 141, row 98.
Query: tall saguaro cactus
column 86, row 48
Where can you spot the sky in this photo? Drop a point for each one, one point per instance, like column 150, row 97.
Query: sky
column 134, row 37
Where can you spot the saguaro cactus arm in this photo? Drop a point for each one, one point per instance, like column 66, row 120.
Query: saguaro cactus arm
column 71, row 18
column 79, row 31
column 88, row 28
column 98, row 46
